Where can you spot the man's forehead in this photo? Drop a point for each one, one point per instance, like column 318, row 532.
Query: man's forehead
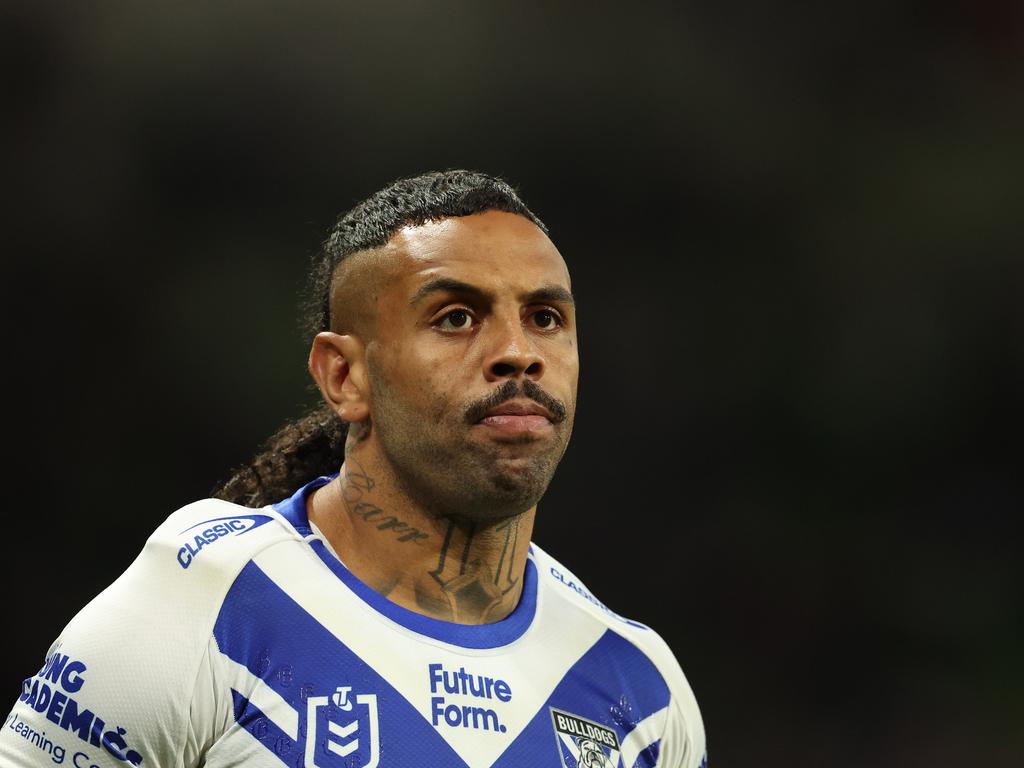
column 494, row 245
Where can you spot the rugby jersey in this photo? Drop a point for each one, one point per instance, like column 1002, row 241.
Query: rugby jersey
column 238, row 638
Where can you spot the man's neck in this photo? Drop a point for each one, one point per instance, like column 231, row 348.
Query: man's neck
column 444, row 567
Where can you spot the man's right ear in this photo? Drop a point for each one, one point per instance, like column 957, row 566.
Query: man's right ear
column 338, row 365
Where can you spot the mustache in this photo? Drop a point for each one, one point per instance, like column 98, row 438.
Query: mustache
column 509, row 391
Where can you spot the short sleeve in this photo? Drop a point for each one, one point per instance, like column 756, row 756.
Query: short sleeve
column 682, row 743
column 128, row 682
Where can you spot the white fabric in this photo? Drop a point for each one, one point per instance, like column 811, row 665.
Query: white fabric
column 151, row 667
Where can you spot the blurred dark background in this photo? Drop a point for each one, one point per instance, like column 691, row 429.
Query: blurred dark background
column 796, row 237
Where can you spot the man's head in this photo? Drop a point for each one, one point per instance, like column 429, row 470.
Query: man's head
column 448, row 342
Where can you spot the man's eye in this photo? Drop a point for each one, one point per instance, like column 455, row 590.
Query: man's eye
column 546, row 319
column 456, row 320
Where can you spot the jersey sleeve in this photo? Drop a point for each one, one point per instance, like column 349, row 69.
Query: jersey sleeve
column 683, row 743
column 129, row 680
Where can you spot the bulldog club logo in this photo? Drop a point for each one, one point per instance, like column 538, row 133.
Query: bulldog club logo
column 583, row 743
column 342, row 731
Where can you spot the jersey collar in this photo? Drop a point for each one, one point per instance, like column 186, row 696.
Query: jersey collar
column 493, row 635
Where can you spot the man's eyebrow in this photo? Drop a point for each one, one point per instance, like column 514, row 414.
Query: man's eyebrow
column 550, row 293
column 447, row 285
column 547, row 293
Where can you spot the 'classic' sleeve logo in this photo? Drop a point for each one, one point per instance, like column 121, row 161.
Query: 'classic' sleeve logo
column 216, row 529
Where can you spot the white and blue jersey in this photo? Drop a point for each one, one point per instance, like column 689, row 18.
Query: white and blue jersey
column 238, row 638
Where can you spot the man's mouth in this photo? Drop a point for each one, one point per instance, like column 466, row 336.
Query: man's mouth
column 517, row 417
column 509, row 401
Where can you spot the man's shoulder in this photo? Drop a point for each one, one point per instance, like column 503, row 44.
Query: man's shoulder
column 180, row 578
column 562, row 585
column 141, row 647
column 213, row 538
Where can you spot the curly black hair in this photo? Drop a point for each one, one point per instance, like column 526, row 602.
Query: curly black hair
column 314, row 444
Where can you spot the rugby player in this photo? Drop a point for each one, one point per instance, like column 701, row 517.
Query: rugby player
column 365, row 592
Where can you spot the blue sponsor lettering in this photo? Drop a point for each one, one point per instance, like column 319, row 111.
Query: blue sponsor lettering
column 223, row 526
column 465, row 716
column 64, row 711
column 36, row 738
column 76, row 721
column 42, row 700
column 462, row 683
column 60, row 669
column 56, row 708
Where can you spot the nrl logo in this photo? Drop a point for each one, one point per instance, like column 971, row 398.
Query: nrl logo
column 583, row 743
column 342, row 732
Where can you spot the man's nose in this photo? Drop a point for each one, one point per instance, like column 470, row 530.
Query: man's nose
column 513, row 354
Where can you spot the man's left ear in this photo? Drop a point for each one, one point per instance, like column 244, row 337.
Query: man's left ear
column 337, row 363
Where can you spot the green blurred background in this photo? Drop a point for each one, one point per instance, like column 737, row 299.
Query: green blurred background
column 795, row 232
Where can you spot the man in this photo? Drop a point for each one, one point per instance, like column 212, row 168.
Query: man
column 392, row 613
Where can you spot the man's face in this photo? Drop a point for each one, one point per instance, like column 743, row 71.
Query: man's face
column 473, row 366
